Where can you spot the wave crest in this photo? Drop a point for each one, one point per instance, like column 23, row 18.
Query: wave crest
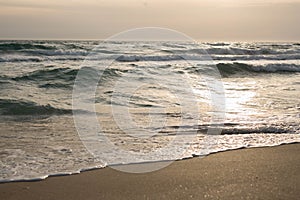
column 18, row 107
column 229, row 69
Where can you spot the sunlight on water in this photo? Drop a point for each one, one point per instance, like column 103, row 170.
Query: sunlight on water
column 38, row 136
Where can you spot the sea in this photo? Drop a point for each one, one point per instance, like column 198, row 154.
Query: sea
column 71, row 106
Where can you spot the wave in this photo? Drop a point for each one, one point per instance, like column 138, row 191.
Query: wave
column 14, row 46
column 53, row 78
column 201, row 55
column 218, row 44
column 19, row 107
column 227, row 49
column 136, row 58
column 256, row 57
column 229, row 69
column 64, row 78
column 29, row 51
column 234, row 128
column 78, row 56
column 36, row 59
column 22, row 59
column 244, row 51
column 63, row 52
column 48, row 75
column 257, row 130
column 39, row 51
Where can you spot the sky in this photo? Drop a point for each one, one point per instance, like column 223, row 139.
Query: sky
column 204, row 20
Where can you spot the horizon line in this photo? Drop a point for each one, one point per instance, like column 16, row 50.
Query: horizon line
column 103, row 39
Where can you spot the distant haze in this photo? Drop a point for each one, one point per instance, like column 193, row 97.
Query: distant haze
column 205, row 20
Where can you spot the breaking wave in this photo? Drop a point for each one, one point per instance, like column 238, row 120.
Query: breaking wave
column 19, row 107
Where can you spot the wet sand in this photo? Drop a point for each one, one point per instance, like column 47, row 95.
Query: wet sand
column 256, row 173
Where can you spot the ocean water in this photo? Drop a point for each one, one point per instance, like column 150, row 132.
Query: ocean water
column 151, row 94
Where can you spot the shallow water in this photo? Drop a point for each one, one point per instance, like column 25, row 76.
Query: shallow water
column 150, row 96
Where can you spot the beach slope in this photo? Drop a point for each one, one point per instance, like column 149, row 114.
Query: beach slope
column 256, row 173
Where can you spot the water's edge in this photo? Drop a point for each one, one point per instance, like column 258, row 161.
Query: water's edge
column 102, row 167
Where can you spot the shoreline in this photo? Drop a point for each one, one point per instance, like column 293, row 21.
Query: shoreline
column 83, row 170
column 260, row 172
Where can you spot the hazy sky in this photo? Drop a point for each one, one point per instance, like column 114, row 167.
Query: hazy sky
column 207, row 20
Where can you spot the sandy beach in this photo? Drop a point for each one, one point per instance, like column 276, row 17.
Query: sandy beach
column 255, row 173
